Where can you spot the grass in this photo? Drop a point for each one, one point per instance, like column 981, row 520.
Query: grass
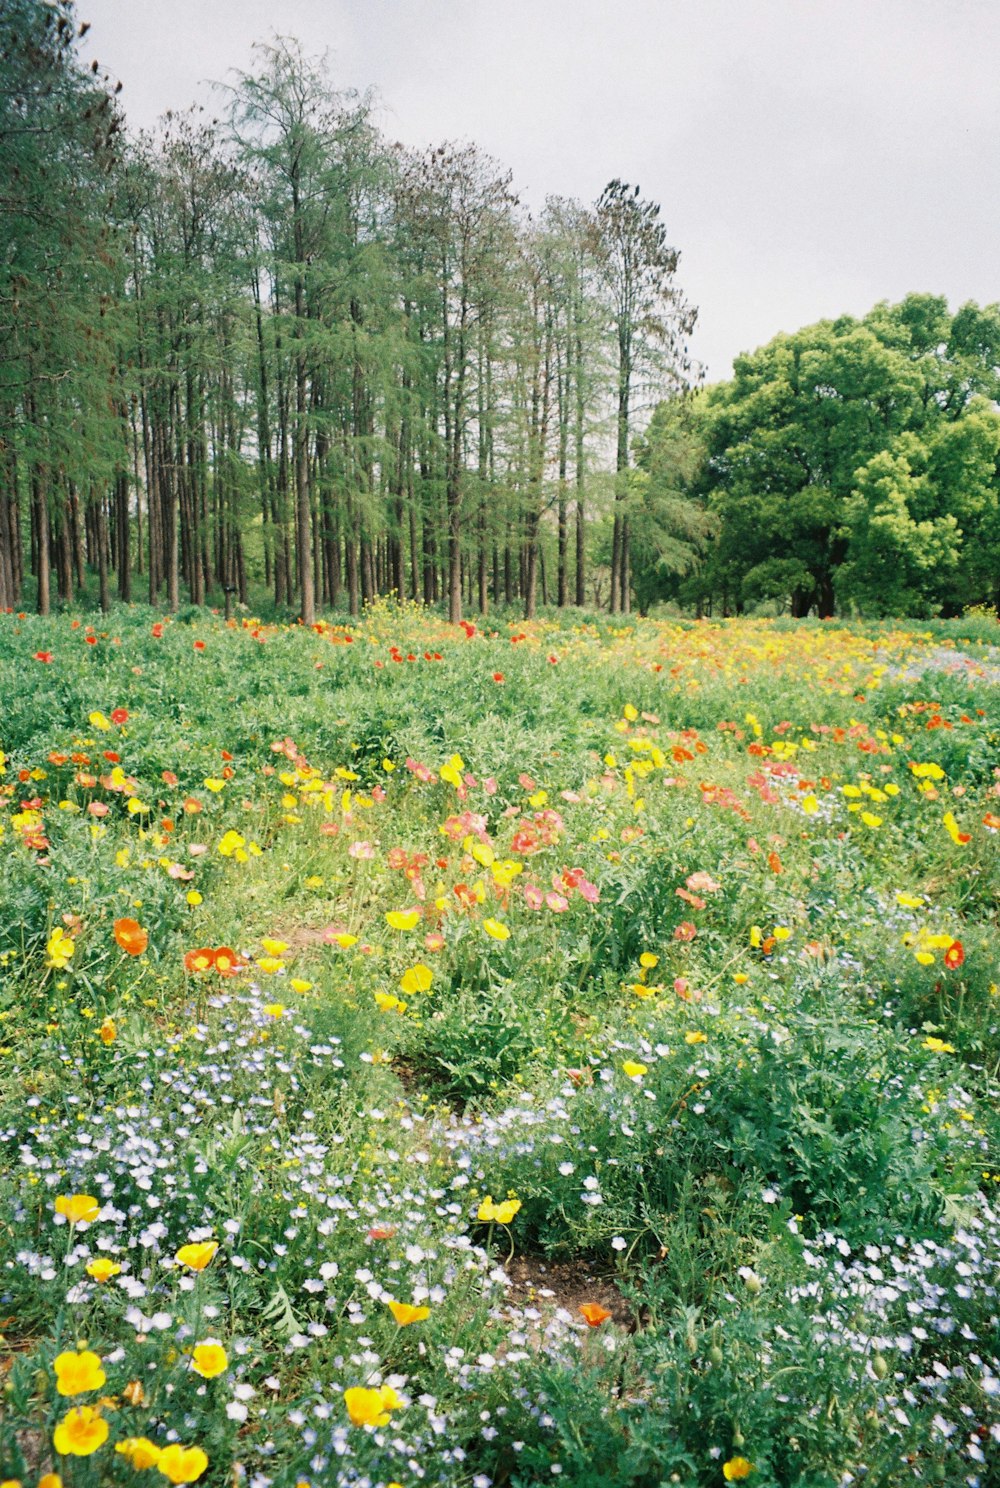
column 636, row 963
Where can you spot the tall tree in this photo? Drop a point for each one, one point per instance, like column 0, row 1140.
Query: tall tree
column 651, row 322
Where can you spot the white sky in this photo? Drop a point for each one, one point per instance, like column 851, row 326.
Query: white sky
column 810, row 156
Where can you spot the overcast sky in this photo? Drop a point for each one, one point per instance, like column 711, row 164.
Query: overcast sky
column 810, row 156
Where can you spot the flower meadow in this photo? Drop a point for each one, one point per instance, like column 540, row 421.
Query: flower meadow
column 498, row 1055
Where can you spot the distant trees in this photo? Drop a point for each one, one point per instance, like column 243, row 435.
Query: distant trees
column 273, row 347
column 854, row 463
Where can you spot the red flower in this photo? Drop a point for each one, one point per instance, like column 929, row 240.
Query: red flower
column 498, row 676
column 43, row 656
column 954, row 955
column 199, row 645
column 685, row 931
column 119, row 715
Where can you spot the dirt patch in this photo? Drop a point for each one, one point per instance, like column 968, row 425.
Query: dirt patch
column 548, row 1285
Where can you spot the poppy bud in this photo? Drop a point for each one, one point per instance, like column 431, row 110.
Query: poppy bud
column 880, row 1368
column 715, row 1354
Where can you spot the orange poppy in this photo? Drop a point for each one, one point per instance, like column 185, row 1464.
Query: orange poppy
column 227, row 963
column 200, row 960
column 131, row 936
column 594, row 1314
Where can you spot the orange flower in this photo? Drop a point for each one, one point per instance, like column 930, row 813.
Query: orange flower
column 202, row 959
column 227, row 963
column 594, row 1313
column 130, row 935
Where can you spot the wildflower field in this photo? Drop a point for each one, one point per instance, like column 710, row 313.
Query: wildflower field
column 498, row 1056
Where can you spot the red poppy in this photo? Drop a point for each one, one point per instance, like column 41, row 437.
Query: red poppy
column 119, row 715
column 43, row 655
column 131, row 936
column 954, row 955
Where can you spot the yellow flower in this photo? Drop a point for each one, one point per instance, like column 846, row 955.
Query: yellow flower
column 298, row 984
column 108, row 1031
column 231, row 843
column 405, row 1314
column 76, row 1373
column 633, row 1069
column 345, row 940
column 810, row 805
column 416, row 979
column 909, row 901
column 648, row 960
column 274, row 1009
column 371, row 1407
column 47, row 1480
column 59, row 949
column 389, row 1002
column 139, row 1452
column 102, row 1269
column 739, row 977
column 182, row 1464
column 78, row 1208
column 502, row 1213
column 197, row 1255
column 274, row 947
column 209, row 1360
column 871, row 820
column 496, row 929
column 402, row 919
column 270, row 964
column 696, row 1038
column 736, row 1468
column 938, row 1046
column 98, row 721
column 80, row 1432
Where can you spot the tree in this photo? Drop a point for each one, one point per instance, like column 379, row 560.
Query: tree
column 650, row 323
column 808, row 508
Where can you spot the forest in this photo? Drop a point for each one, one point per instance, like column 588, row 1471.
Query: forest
column 270, row 357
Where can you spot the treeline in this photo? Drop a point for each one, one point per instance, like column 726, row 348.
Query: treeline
column 275, row 347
